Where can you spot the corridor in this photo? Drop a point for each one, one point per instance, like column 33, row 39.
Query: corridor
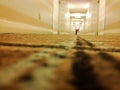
column 40, row 49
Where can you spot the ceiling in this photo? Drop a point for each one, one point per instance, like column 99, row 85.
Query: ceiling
column 78, row 6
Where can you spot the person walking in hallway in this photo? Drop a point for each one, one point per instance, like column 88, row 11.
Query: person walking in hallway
column 76, row 31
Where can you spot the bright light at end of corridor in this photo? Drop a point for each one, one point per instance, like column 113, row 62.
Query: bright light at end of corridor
column 77, row 15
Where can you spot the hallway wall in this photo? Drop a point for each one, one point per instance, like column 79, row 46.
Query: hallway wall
column 64, row 17
column 55, row 15
column 101, row 20
column 112, row 21
column 108, row 14
column 92, row 18
column 35, row 13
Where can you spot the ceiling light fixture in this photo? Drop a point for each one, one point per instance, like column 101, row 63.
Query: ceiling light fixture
column 77, row 16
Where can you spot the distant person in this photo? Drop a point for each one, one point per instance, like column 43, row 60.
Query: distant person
column 76, row 31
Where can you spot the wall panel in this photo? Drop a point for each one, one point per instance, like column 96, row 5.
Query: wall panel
column 112, row 19
column 33, row 12
column 55, row 14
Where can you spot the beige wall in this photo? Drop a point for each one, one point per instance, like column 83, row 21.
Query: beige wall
column 31, row 12
column 101, row 23
column 88, row 21
column 92, row 17
column 55, row 14
column 112, row 18
column 64, row 17
column 107, row 12
column 67, row 20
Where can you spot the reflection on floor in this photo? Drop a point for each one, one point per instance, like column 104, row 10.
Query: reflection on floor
column 59, row 62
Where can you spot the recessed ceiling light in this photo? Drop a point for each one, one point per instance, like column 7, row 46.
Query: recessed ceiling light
column 77, row 15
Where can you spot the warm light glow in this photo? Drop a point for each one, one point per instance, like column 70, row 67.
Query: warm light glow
column 70, row 6
column 77, row 15
column 88, row 15
column 79, row 20
column 67, row 14
column 87, row 5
